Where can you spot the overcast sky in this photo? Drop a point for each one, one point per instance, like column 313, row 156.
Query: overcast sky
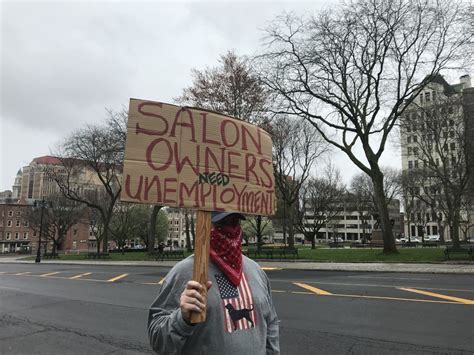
column 63, row 63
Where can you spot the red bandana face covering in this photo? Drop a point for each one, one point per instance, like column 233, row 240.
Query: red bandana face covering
column 226, row 250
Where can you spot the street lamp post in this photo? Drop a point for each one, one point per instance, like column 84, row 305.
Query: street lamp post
column 43, row 205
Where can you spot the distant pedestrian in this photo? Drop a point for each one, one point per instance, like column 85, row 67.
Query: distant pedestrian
column 240, row 316
column 161, row 247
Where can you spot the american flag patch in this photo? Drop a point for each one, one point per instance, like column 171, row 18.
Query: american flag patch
column 237, row 303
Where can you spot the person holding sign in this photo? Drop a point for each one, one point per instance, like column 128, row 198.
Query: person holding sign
column 241, row 318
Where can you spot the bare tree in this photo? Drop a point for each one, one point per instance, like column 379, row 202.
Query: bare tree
column 352, row 70
column 408, row 193
column 319, row 202
column 230, row 88
column 467, row 217
column 94, row 153
column 122, row 224
column 296, row 147
column 257, row 226
column 152, row 228
column 363, row 191
column 189, row 217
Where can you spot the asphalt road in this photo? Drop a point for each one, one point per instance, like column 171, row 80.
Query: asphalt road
column 82, row 309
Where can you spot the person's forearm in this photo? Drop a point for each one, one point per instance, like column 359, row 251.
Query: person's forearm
column 167, row 331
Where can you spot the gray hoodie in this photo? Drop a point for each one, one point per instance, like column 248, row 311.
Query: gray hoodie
column 239, row 320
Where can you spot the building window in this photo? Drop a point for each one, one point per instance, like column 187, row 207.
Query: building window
column 427, row 97
column 9, row 236
column 17, row 235
column 416, row 164
column 409, row 150
column 26, row 223
column 415, row 151
column 421, row 98
column 9, row 223
column 10, row 213
column 18, row 214
column 451, row 122
column 410, row 165
column 25, row 235
column 409, row 139
column 74, row 232
column 415, row 139
column 17, row 223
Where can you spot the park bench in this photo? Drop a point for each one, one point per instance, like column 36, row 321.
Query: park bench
column 271, row 253
column 410, row 245
column 460, row 250
column 254, row 253
column 50, row 256
column 429, row 245
column 283, row 253
column 170, row 255
column 359, row 245
column 97, row 256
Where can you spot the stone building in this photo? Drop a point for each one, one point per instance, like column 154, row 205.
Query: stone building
column 437, row 130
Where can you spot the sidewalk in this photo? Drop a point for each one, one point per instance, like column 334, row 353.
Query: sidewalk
column 435, row 268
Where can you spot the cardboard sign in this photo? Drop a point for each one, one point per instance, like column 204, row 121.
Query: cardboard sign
column 186, row 157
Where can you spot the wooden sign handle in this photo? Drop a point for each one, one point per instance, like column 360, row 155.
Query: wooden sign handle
column 201, row 258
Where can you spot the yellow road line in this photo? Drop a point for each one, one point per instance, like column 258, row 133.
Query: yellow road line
column 437, row 295
column 381, row 286
column 161, row 281
column 23, row 273
column 313, row 289
column 395, row 299
column 117, row 278
column 302, row 292
column 154, row 283
column 278, row 291
column 79, row 276
column 49, row 274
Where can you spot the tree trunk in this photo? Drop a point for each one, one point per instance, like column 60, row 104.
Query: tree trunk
column 285, row 216
column 193, row 231
column 105, row 238
column 454, row 231
column 313, row 241
column 389, row 246
column 188, row 233
column 291, row 230
column 258, row 222
column 152, row 229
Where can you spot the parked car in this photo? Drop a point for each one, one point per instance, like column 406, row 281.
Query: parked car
column 432, row 238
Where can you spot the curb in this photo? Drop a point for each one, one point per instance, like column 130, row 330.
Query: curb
column 427, row 268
